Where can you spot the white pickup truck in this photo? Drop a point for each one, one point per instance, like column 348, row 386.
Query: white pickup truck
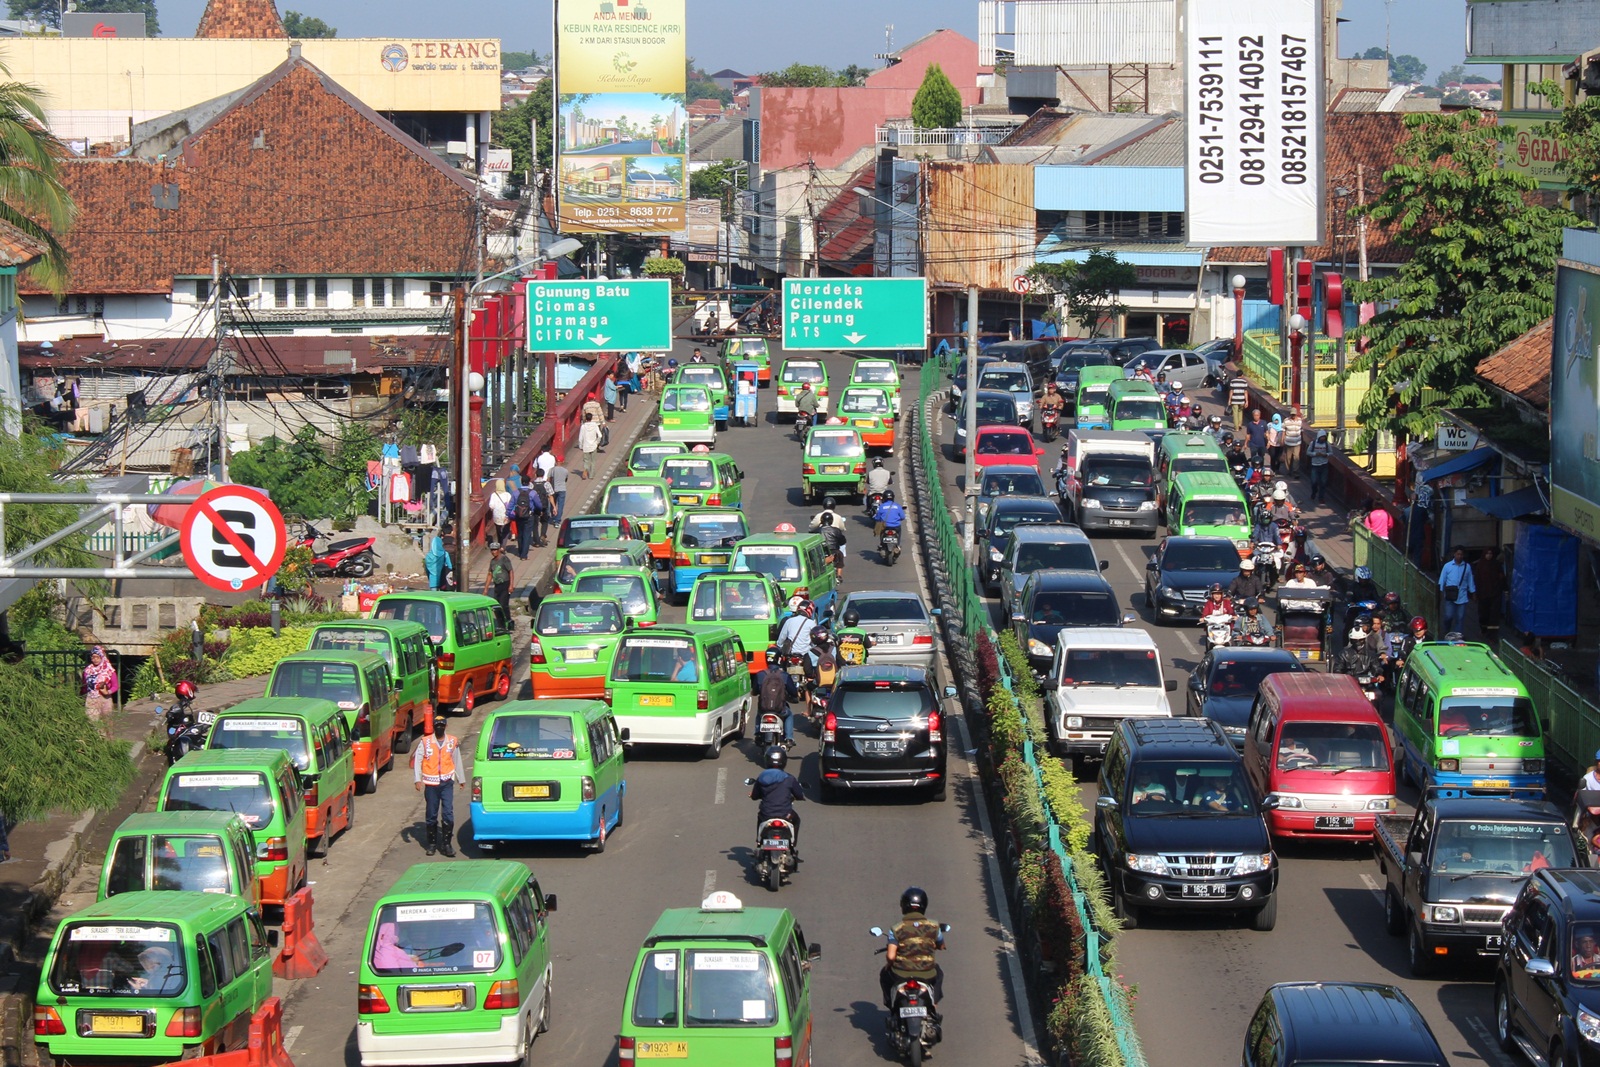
column 1100, row 676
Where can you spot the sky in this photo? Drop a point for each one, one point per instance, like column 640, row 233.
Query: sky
column 755, row 35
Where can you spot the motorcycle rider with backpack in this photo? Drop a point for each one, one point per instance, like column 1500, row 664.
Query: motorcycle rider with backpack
column 775, row 688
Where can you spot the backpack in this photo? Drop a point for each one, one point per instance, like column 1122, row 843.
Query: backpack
column 774, row 691
column 524, row 508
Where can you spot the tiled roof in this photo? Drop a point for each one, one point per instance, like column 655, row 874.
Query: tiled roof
column 1367, row 139
column 298, row 355
column 295, row 177
column 249, row 19
column 17, row 248
column 1522, row 368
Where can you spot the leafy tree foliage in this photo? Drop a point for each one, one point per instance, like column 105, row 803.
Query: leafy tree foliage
column 1482, row 271
column 305, row 477
column 49, row 11
column 937, row 105
column 699, row 86
column 706, row 183
column 1403, row 69
column 1091, row 288
column 801, row 76
column 69, row 765
column 302, row 27
column 1578, row 131
column 853, row 75
column 510, row 129
column 522, row 60
column 32, row 197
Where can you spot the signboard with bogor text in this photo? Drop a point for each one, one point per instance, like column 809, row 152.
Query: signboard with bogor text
column 599, row 316
column 855, row 314
column 1532, row 151
column 622, row 135
column 1254, row 136
column 1575, row 401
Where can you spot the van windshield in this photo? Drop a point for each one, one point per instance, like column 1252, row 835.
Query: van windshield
column 822, row 443
column 1012, row 381
column 1114, row 667
column 1005, row 444
column 1213, row 513
column 578, row 618
column 1334, row 747
column 1038, row 555
column 803, row 372
column 102, row 958
column 876, row 372
column 870, row 401
column 728, row 989
column 1141, row 407
column 185, row 863
column 692, row 398
column 689, row 473
column 1007, row 483
column 1121, row 472
column 429, row 613
column 577, row 531
column 1171, row 787
column 456, row 937
column 286, row 735
column 1198, row 461
column 710, row 531
column 655, row 659
column 242, row 792
column 993, row 411
column 743, row 600
column 338, row 682
column 646, row 500
column 531, row 737
column 626, row 589
column 580, row 560
column 1485, row 716
column 1010, row 518
column 353, row 640
column 710, row 377
column 778, row 562
column 648, row 458
column 1077, row 608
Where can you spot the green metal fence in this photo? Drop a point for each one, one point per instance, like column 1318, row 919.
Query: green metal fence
column 1571, row 721
column 1392, row 572
column 1265, row 366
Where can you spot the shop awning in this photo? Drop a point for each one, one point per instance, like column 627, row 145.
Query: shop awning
column 1513, row 505
column 1467, row 461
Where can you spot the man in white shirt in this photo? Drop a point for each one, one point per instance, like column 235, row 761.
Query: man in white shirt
column 500, row 510
column 589, row 442
column 546, row 460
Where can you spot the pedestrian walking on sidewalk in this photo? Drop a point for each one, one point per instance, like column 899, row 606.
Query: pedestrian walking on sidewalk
column 558, row 492
column 1458, row 587
column 623, row 375
column 1319, row 455
column 588, row 443
column 611, row 397
column 100, row 686
column 1275, row 443
column 437, row 771
column 1255, row 432
column 1238, row 397
column 530, row 501
column 499, row 576
column 500, row 510
column 1490, row 578
column 1293, row 439
column 437, row 561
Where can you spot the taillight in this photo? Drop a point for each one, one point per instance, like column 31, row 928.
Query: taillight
column 830, row 723
column 935, row 726
column 364, row 721
column 607, row 697
column 535, row 650
column 311, row 795
column 782, row 1051
column 860, row 468
column 702, row 700
column 714, row 500
column 46, row 1023
column 503, row 996
column 624, row 1050
column 369, row 1001
column 276, row 850
column 185, row 1023
column 922, row 639
column 806, row 468
column 588, row 788
column 447, row 661
column 477, row 790
column 680, row 559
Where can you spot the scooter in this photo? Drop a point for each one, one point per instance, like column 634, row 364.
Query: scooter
column 769, row 730
column 1266, row 557
column 774, row 850
column 350, row 558
column 1049, row 419
column 1219, row 630
column 889, row 546
column 872, row 498
column 1369, row 687
column 802, row 423
column 186, row 731
column 914, row 1024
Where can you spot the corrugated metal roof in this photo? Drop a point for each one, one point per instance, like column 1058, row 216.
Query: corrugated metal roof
column 1050, row 33
column 1162, row 146
column 1074, row 188
column 1036, row 155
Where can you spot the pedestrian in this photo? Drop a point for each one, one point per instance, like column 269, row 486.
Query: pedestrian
column 529, row 503
column 1293, row 439
column 1457, row 587
column 499, row 577
column 1255, row 432
column 541, row 484
column 588, row 443
column 437, row 561
column 1275, row 442
column 100, row 686
column 593, row 407
column 1238, row 397
column 558, row 491
column 1380, row 522
column 545, row 460
column 611, row 397
column 623, row 386
column 437, row 771
column 1490, row 577
column 1319, row 455
column 500, row 510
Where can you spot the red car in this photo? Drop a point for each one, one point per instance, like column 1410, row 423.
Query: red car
column 997, row 445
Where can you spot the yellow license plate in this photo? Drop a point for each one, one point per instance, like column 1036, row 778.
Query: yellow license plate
column 580, row 655
column 833, row 469
column 116, row 1024
column 1491, row 783
column 438, row 998
column 712, row 558
column 686, row 498
column 661, row 1050
column 528, row 792
column 655, row 701
column 869, row 423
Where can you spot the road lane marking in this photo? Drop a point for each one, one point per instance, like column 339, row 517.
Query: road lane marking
column 722, row 784
column 1372, row 884
column 1123, row 552
column 709, row 886
column 1487, row 1040
column 290, row 1037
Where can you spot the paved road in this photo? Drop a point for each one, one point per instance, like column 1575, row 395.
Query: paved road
column 1198, row 979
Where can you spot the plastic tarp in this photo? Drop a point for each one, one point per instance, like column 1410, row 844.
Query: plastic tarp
column 1512, row 505
column 1544, row 598
column 1466, row 461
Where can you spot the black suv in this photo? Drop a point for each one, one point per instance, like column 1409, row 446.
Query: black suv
column 1035, row 355
column 1183, row 568
column 884, row 729
column 1547, row 982
column 1349, row 1023
column 1052, row 600
column 999, row 518
column 1177, row 825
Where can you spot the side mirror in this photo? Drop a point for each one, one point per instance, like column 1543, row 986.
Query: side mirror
column 937, row 613
column 1129, row 617
column 1105, row 803
column 813, row 952
column 274, row 938
column 1016, row 616
column 1152, row 565
column 1540, row 968
column 550, row 902
column 1269, row 802
column 1172, row 685
column 875, row 931
column 951, row 691
column 1105, row 564
column 1414, row 859
column 945, row 928
column 625, row 734
column 749, row 781
column 629, row 623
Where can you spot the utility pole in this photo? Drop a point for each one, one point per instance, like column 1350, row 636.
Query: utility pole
column 219, row 373
column 969, row 397
column 460, row 403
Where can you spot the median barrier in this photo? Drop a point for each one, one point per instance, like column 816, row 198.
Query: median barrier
column 302, row 955
column 265, row 1047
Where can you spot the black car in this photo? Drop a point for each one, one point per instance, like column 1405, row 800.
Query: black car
column 1349, row 1023
column 884, row 729
column 996, row 407
column 1183, row 568
column 1035, row 355
column 1547, row 981
column 958, row 379
column 1069, row 361
column 1010, row 479
column 997, row 520
column 1223, row 687
column 1177, row 825
column 1053, row 600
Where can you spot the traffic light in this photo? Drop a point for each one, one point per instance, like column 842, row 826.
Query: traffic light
column 1302, row 287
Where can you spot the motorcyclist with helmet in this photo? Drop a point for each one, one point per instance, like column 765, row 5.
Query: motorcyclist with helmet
column 1052, row 400
column 1252, row 628
column 1357, row 658
column 1395, row 619
column 1364, row 588
column 851, row 643
column 1248, row 583
column 1213, row 426
column 777, row 792
column 1416, row 634
column 878, row 477
column 891, row 516
column 912, row 943
column 775, row 689
column 831, row 525
column 805, row 406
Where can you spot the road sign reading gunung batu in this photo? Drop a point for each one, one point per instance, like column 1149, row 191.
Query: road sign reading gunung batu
column 855, row 313
column 599, row 316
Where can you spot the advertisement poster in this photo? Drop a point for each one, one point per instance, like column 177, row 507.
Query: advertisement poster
column 1575, row 402
column 622, row 131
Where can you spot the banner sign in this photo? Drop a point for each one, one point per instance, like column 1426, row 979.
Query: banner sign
column 705, row 231
column 1575, row 402
column 1530, row 150
column 622, row 132
column 1254, row 136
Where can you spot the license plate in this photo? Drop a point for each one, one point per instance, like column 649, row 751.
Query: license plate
column 883, row 748
column 1119, row 522
column 116, row 1024
column 1492, row 941
column 914, row 1013
column 891, row 639
column 206, row 718
column 655, row 701
column 437, row 998
column 868, row 423
column 580, row 655
column 1204, row 890
column 712, row 559
column 529, row 792
column 686, row 498
column 1492, row 783
column 775, row 842
column 833, row 468
column 1334, row 822
column 661, row 1050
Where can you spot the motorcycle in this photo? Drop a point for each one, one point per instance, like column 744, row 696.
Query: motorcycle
column 351, row 558
column 802, row 423
column 1049, row 419
column 1369, row 687
column 914, row 1024
column 186, row 731
column 1219, row 630
column 872, row 498
column 774, row 850
column 1254, row 640
column 769, row 730
column 889, row 546
column 1266, row 557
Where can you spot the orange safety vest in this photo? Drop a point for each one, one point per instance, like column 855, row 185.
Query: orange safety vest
column 437, row 759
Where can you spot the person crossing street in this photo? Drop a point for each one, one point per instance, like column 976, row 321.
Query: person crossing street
column 437, row 770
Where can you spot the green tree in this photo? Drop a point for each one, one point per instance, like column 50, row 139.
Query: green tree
column 853, row 75
column 510, row 128
column 49, row 11
column 307, row 479
column 1403, row 69
column 937, row 105
column 801, row 76
column 28, row 464
column 1578, row 131
column 1481, row 272
column 521, row 60
column 698, row 86
column 303, row 27
column 1454, row 74
column 32, row 196
column 707, row 182
column 1091, row 288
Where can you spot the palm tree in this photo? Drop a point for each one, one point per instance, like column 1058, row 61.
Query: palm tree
column 33, row 197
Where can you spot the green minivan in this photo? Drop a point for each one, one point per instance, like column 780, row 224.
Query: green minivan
column 795, row 561
column 644, row 459
column 1094, row 397
column 749, row 350
column 648, row 502
column 1208, row 504
column 1466, row 721
column 687, row 414
column 834, row 463
column 155, row 977
column 1186, row 453
column 680, row 685
column 633, row 587
column 715, row 380
column 704, row 542
column 261, row 787
column 793, row 373
column 548, row 770
column 571, row 642
column 409, row 649
column 721, row 985
column 598, row 555
column 456, row 967
column 748, row 604
column 360, row 685
column 316, row 737
column 883, row 373
column 704, row 479
column 182, row 851
column 1135, row 405
column 471, row 637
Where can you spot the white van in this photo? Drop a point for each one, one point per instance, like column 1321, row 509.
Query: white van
column 1111, row 480
column 1099, row 677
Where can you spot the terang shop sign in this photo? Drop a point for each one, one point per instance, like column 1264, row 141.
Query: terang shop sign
column 437, row 55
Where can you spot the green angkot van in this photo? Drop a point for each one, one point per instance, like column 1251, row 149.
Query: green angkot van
column 833, row 464
column 648, row 503
column 715, row 380
column 1207, row 504
column 748, row 604
column 680, row 685
column 598, row 555
column 704, row 543
column 408, row 647
column 571, row 643
column 261, row 787
column 633, row 587
column 795, row 562
column 1094, row 397
column 687, row 414
column 1465, row 720
column 644, row 458
column 704, row 479
column 471, row 639
column 456, row 967
column 548, row 770
column 316, row 738
column 1186, row 453
column 360, row 685
column 183, row 852
column 1135, row 405
column 883, row 373
column 750, row 350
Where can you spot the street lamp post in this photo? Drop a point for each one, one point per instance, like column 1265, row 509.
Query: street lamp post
column 1297, row 337
column 1238, row 318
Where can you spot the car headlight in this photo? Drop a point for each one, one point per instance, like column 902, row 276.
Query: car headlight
column 1253, row 863
column 1074, row 722
column 1589, row 1026
column 1171, row 593
column 995, row 555
column 1382, row 804
column 1147, row 505
column 1449, row 765
column 1038, row 648
column 1286, row 801
column 1148, row 864
column 1242, row 545
column 1089, row 502
column 1444, row 913
column 1533, row 766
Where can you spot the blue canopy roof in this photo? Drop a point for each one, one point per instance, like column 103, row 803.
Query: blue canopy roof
column 1513, row 505
column 1465, row 462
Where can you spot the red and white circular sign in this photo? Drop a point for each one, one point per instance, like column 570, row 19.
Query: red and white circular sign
column 1021, row 284
column 233, row 538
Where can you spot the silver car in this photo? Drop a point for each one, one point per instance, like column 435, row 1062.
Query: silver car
column 1188, row 369
column 900, row 625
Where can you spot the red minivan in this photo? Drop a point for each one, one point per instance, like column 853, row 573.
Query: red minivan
column 1319, row 756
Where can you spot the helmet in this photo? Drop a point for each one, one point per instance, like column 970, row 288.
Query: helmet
column 1216, row 589
column 672, row 364
column 1247, row 564
column 773, row 654
column 888, row 495
column 1364, row 620
column 826, row 518
column 1364, row 574
column 1142, row 364
column 1455, row 637
column 700, row 448
column 1216, row 420
column 186, row 690
column 1252, row 603
column 914, row 899
column 1279, row 494
column 1390, row 600
column 1419, row 624
column 1227, row 438
column 1184, row 399
column 1319, row 561
column 783, row 527
column 777, row 756
column 807, row 608
column 1357, row 634
column 1281, row 485
column 852, row 617
column 878, row 461
column 1050, row 385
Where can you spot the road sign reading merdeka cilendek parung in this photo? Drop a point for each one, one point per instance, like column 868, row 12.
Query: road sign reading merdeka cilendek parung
column 599, row 315
column 855, row 314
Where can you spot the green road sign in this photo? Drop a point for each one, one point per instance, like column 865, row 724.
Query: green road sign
column 599, row 316
column 855, row 314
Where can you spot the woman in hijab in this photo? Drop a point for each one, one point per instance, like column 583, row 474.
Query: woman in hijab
column 1275, row 443
column 437, row 561
column 99, row 686
column 387, row 955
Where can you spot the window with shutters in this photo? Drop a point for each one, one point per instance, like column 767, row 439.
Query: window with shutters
column 302, row 293
column 377, row 292
column 280, row 292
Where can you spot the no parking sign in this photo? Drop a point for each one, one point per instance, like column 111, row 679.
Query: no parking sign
column 233, row 538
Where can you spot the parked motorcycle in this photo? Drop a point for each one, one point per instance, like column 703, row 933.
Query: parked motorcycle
column 889, row 546
column 775, row 860
column 187, row 730
column 353, row 557
column 914, row 1024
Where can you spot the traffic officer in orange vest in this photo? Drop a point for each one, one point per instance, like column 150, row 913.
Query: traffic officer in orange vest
column 437, row 767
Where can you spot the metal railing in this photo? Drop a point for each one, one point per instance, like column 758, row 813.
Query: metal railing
column 1265, row 366
column 1571, row 721
column 911, row 137
column 1392, row 572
